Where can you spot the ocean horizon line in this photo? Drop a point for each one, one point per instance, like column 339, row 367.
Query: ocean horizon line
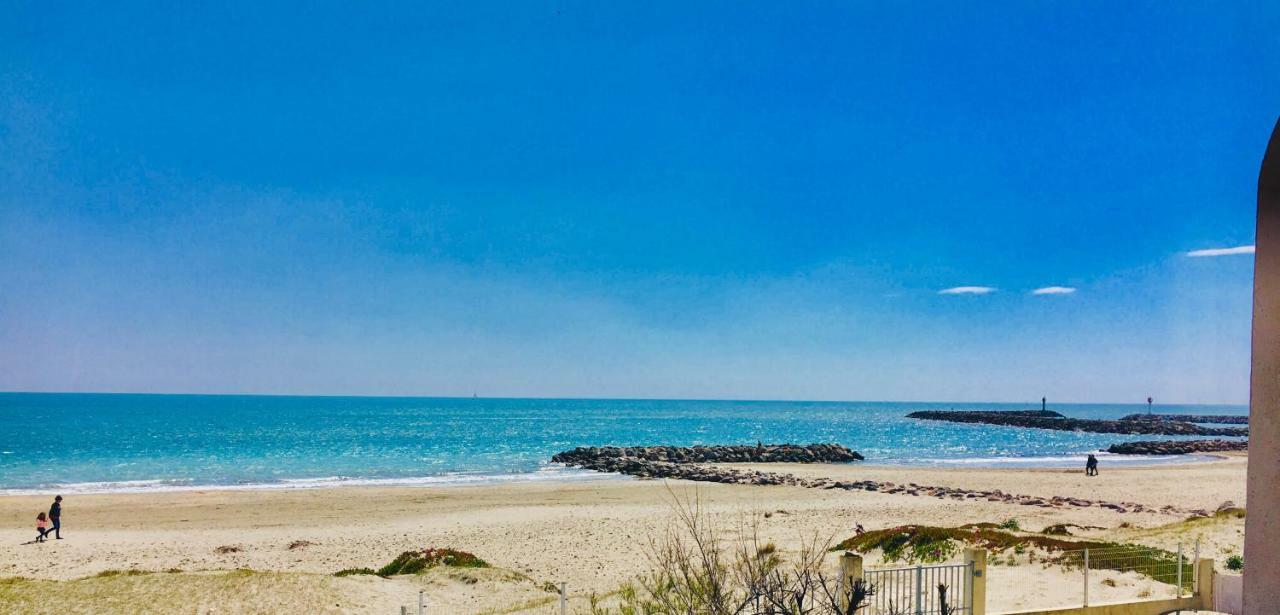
column 1035, row 402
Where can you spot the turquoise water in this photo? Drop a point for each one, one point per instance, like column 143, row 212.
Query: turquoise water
column 96, row 442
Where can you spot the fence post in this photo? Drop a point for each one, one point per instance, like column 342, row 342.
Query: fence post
column 919, row 589
column 1086, row 577
column 404, row 610
column 1204, row 579
column 976, row 560
column 850, row 571
column 563, row 591
column 422, row 603
column 1179, row 570
column 1195, row 575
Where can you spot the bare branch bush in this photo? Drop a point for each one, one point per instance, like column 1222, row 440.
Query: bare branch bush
column 695, row 572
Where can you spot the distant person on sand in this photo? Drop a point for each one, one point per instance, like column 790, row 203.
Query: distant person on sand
column 1091, row 466
column 55, row 515
column 41, row 524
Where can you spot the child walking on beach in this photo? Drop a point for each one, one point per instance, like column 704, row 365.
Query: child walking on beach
column 41, row 526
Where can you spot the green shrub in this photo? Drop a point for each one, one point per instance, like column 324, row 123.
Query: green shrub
column 914, row 543
column 1010, row 524
column 1235, row 563
column 351, row 571
column 413, row 562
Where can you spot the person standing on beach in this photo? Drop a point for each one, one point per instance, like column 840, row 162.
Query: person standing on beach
column 55, row 516
column 1091, row 466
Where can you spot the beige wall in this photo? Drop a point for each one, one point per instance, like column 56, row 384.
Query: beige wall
column 1149, row 607
column 1262, row 525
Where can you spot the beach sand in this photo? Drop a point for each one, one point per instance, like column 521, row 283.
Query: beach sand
column 193, row 551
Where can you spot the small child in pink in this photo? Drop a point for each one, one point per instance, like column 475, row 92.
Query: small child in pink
column 41, row 526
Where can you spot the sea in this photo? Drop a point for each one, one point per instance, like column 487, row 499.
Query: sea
column 91, row 443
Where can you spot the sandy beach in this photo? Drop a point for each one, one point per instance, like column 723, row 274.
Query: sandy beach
column 260, row 551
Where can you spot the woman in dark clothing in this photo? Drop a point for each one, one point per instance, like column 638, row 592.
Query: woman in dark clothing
column 55, row 516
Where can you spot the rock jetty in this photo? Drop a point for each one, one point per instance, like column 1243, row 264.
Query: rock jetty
column 1235, row 419
column 601, row 458
column 1177, row 447
column 647, row 462
column 1038, row 420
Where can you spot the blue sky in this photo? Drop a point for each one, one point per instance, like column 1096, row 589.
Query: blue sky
column 718, row 200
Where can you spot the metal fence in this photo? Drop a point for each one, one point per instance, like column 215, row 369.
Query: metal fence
column 920, row 590
column 1081, row 577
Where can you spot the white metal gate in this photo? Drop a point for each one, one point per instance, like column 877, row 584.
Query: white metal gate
column 916, row 591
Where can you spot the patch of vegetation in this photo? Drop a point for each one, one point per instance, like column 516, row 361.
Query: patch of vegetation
column 924, row 543
column 225, row 549
column 118, row 573
column 1235, row 563
column 346, row 572
column 914, row 543
column 1230, row 513
column 1059, row 529
column 1011, row 525
column 413, row 562
column 893, row 540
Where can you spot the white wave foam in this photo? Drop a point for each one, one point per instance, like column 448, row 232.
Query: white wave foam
column 550, row 473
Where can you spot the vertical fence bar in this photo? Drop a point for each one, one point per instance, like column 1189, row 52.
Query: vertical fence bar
column 919, row 590
column 1086, row 577
column 422, row 603
column 965, row 577
column 564, row 607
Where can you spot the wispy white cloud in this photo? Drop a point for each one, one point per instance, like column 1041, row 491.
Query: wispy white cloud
column 967, row 290
column 1222, row 251
column 1054, row 290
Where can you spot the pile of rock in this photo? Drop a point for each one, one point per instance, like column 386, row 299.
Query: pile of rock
column 1177, row 447
column 1232, row 419
column 657, row 462
column 596, row 458
column 1061, row 423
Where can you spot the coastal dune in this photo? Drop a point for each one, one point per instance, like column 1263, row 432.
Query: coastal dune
column 590, row 535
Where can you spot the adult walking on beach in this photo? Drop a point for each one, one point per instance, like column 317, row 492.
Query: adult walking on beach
column 55, row 517
column 1091, row 466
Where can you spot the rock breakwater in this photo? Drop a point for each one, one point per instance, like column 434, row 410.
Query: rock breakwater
column 1191, row 418
column 1061, row 423
column 1177, row 447
column 648, row 462
column 596, row 458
